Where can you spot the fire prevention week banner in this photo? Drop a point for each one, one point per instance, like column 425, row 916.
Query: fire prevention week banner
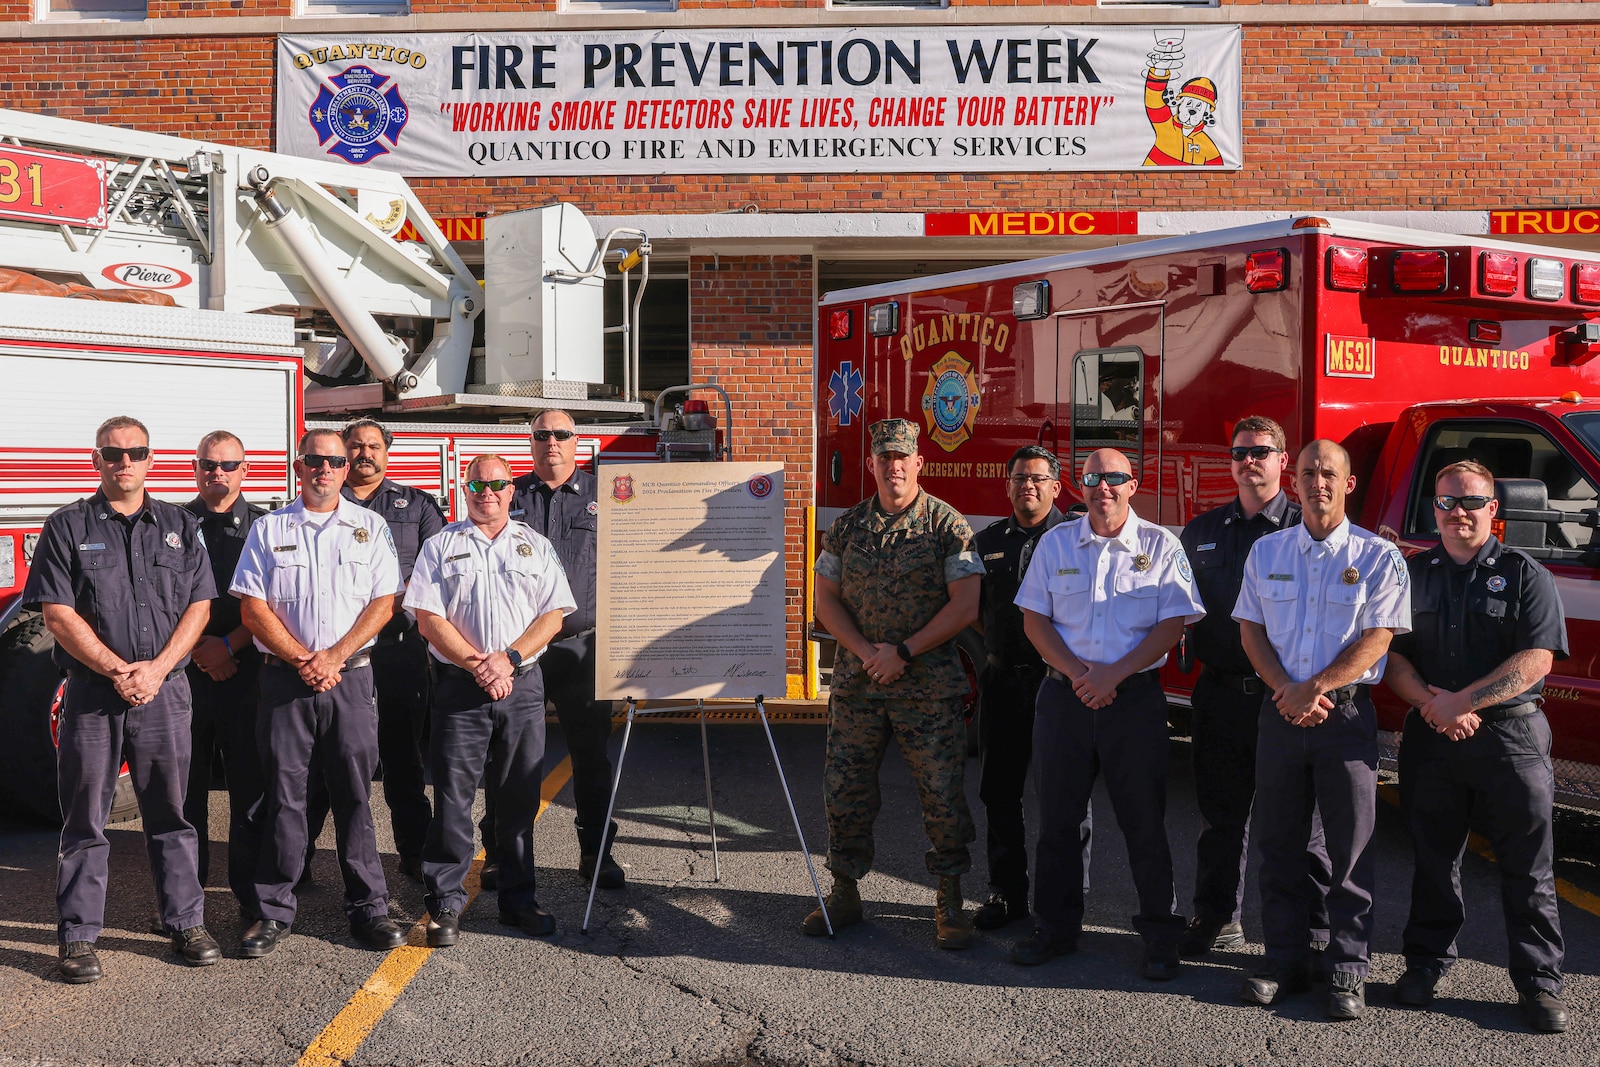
column 1013, row 98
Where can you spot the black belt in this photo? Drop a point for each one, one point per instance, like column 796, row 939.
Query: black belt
column 452, row 668
column 88, row 675
column 1347, row 695
column 354, row 663
column 1516, row 711
column 1132, row 681
column 1248, row 684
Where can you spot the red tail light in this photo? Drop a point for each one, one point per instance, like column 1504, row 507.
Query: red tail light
column 1586, row 283
column 1421, row 270
column 1484, row 332
column 840, row 324
column 1497, row 273
column 1267, row 271
column 1347, row 269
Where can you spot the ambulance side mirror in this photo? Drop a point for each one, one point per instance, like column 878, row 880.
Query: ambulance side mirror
column 1525, row 511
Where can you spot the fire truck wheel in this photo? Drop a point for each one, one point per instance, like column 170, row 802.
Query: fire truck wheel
column 30, row 691
column 28, row 684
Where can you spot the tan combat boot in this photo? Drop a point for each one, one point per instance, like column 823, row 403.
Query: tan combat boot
column 844, row 908
column 953, row 924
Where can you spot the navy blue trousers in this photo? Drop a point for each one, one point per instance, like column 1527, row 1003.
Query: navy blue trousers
column 1224, row 729
column 1499, row 782
column 342, row 726
column 1331, row 768
column 1072, row 746
column 98, row 732
column 470, row 731
column 225, row 720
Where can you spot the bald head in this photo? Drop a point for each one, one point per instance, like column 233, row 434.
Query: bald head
column 1322, row 477
column 1105, row 460
column 1323, row 452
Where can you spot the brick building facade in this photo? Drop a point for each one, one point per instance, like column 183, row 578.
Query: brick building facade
column 1429, row 115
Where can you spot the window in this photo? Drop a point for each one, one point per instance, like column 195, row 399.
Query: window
column 663, row 328
column 1509, row 450
column 1107, row 398
column 322, row 8
column 92, row 10
column 619, row 5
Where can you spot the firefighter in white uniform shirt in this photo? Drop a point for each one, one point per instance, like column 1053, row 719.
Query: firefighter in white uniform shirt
column 1103, row 600
column 489, row 595
column 317, row 580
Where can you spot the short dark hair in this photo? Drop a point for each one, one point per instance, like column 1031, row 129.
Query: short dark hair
column 362, row 424
column 217, row 437
column 1028, row 453
column 121, row 422
column 310, row 435
column 1262, row 424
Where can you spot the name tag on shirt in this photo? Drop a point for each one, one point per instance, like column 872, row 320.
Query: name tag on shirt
column 284, row 548
column 1206, row 548
column 994, row 555
column 1280, row 577
column 96, row 547
column 1066, row 570
column 463, row 555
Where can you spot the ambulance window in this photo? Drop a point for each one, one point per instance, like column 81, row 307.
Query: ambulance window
column 1509, row 450
column 1107, row 397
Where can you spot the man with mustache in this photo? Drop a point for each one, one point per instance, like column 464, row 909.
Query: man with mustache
column 1317, row 609
column 1475, row 753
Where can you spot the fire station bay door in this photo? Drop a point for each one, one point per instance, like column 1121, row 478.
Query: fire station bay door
column 1108, row 392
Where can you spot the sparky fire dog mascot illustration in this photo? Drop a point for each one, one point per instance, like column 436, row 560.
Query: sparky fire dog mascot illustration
column 1179, row 118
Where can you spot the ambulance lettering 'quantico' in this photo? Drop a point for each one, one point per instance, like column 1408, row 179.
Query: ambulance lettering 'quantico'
column 1486, row 358
column 966, row 326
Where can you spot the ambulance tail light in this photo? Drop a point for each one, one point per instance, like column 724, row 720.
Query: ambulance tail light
column 1586, row 283
column 1484, row 332
column 1267, row 271
column 841, row 324
column 1347, row 269
column 1497, row 273
column 1546, row 279
column 1031, row 300
column 883, row 319
column 1421, row 270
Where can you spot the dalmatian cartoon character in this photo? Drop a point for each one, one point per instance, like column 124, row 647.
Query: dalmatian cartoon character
column 1178, row 117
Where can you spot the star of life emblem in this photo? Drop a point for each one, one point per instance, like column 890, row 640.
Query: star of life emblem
column 844, row 393
column 357, row 113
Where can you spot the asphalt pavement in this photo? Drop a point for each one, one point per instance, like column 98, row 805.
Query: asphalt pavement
column 681, row 968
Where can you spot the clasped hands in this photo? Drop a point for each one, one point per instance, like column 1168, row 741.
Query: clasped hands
column 493, row 673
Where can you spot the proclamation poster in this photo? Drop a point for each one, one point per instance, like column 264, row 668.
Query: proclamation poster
column 690, row 598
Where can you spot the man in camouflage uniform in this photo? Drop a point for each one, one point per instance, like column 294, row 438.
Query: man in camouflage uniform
column 897, row 579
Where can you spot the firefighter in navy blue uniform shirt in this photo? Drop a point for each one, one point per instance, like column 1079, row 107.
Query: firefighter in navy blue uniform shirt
column 1227, row 696
column 558, row 500
column 489, row 594
column 1011, row 678
column 1475, row 753
column 125, row 590
column 1103, row 601
column 1317, row 609
column 223, row 669
column 317, row 580
column 400, row 655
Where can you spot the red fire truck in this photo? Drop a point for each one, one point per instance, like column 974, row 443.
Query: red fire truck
column 198, row 286
column 1369, row 335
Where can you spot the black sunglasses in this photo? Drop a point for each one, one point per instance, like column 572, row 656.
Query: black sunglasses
column 229, row 465
column 559, row 435
column 1466, row 503
column 478, row 485
column 112, row 454
column 1094, row 478
column 1240, row 453
column 313, row 462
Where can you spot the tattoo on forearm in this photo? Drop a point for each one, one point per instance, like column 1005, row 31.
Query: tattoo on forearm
column 1508, row 685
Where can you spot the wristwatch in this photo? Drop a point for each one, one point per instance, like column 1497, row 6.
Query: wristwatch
column 515, row 657
column 902, row 651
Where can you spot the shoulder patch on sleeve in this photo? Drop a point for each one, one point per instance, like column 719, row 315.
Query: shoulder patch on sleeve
column 388, row 539
column 1184, row 571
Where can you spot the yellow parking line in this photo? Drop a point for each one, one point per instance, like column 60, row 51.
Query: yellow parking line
column 340, row 1038
column 1578, row 898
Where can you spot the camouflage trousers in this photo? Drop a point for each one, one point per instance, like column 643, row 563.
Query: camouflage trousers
column 931, row 736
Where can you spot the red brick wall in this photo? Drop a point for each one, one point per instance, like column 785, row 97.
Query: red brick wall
column 750, row 332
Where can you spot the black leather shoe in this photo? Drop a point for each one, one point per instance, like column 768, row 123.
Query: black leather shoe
column 444, row 929
column 1347, row 997
column 411, row 868
column 611, row 875
column 80, row 964
column 1279, row 980
column 197, row 947
column 1000, row 909
column 262, row 937
column 1041, row 946
column 489, row 877
column 380, row 932
column 1416, row 987
column 1160, row 961
column 532, row 919
column 1543, row 1010
column 1203, row 937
